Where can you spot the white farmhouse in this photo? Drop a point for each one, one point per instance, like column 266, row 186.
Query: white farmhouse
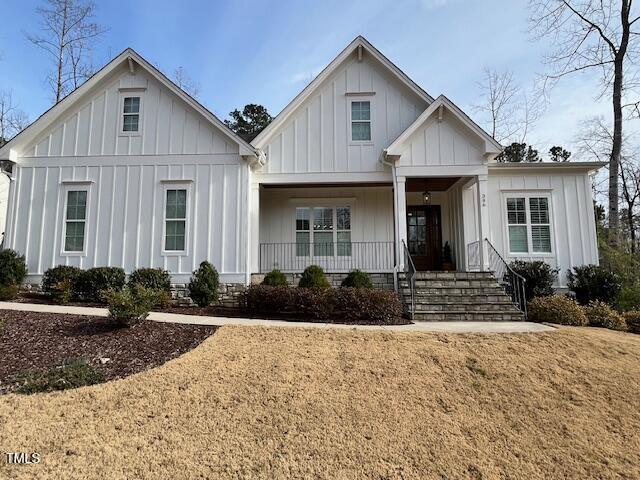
column 363, row 169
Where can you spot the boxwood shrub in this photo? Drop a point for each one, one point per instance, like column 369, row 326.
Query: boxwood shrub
column 313, row 277
column 61, row 283
column 275, row 278
column 357, row 279
column 131, row 305
column 13, row 268
column 599, row 314
column 350, row 305
column 593, row 282
column 558, row 309
column 539, row 277
column 633, row 320
column 153, row 278
column 203, row 287
column 92, row 283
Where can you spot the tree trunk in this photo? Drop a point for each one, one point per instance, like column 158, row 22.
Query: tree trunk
column 61, row 53
column 614, row 161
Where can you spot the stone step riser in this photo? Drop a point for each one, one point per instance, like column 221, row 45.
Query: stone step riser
column 450, row 276
column 456, row 284
column 455, row 292
column 470, row 317
column 456, row 299
column 466, row 308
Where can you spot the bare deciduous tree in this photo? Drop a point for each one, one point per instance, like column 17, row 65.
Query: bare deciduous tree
column 185, row 82
column 68, row 33
column 588, row 35
column 508, row 111
column 595, row 141
column 12, row 119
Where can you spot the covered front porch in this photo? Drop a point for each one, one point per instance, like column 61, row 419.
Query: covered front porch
column 341, row 227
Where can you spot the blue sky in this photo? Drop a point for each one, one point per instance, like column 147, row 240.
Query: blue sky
column 265, row 52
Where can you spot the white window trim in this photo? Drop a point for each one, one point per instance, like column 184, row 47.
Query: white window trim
column 125, row 94
column 177, row 185
column 360, row 98
column 505, row 215
column 75, row 187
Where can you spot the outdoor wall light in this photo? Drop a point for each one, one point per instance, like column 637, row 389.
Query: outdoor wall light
column 426, row 198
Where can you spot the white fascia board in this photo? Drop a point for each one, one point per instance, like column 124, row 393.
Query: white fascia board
column 342, row 177
column 551, row 167
column 264, row 136
column 441, row 171
column 491, row 146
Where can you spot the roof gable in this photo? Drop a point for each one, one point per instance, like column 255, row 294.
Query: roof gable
column 127, row 59
column 359, row 44
column 491, row 146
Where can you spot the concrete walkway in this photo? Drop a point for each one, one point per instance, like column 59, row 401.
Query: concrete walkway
column 449, row 327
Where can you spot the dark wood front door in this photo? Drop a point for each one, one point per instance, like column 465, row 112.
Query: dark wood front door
column 424, row 236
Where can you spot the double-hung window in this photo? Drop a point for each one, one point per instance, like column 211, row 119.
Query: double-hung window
column 175, row 220
column 360, row 121
column 75, row 220
column 131, row 114
column 528, row 224
column 325, row 231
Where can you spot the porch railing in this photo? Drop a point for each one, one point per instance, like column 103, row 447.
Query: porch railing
column 331, row 256
column 410, row 272
column 473, row 255
column 513, row 283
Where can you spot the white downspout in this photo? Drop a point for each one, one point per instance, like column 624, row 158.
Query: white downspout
column 383, row 160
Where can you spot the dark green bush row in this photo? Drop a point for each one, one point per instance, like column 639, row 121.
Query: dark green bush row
column 345, row 304
column 314, row 277
column 13, row 269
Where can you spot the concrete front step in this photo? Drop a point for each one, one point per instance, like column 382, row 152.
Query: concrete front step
column 451, row 283
column 468, row 317
column 449, row 275
column 466, row 297
column 486, row 307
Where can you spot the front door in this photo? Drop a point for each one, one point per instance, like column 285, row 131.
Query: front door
column 424, row 236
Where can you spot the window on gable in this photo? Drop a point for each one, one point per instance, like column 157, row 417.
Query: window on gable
column 131, row 114
column 75, row 220
column 175, row 220
column 360, row 121
column 528, row 225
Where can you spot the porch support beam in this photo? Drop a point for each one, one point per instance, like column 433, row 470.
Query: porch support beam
column 253, row 262
column 400, row 204
column 483, row 220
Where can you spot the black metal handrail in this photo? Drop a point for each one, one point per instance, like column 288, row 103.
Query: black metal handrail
column 331, row 256
column 410, row 273
column 513, row 283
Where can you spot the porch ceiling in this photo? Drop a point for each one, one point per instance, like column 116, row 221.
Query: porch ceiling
column 431, row 184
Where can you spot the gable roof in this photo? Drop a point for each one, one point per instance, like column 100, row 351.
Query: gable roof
column 358, row 42
column 128, row 55
column 491, row 145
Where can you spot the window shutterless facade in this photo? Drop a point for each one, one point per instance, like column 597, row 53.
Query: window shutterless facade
column 131, row 108
column 528, row 224
column 75, row 221
column 325, row 231
column 175, row 220
column 360, row 120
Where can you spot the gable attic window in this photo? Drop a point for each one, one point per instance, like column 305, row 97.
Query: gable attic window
column 360, row 120
column 131, row 114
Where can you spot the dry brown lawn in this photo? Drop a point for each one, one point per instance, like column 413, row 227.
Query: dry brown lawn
column 342, row 404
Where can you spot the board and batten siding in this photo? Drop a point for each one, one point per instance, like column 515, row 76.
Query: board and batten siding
column 573, row 235
column 125, row 216
column 317, row 136
column 447, row 142
column 91, row 127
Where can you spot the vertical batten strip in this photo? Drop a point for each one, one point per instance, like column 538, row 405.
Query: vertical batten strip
column 28, row 238
column 44, row 215
column 224, row 211
column 112, row 208
column 153, row 215
column 104, row 124
column 238, row 218
column 124, row 222
column 55, row 227
column 194, row 230
column 97, row 222
column 137, row 257
column 210, row 214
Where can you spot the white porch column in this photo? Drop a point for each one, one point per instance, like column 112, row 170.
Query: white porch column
column 253, row 263
column 400, row 205
column 483, row 220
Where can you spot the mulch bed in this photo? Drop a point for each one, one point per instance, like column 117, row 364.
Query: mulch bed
column 42, row 340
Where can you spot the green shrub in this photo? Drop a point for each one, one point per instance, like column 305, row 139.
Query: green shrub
column 203, row 287
column 357, row 279
column 633, row 320
column 131, row 305
column 153, row 278
column 313, row 277
column 72, row 373
column 367, row 304
column 9, row 292
column 13, row 268
column 61, row 282
column 599, row 314
column 94, row 282
column 275, row 278
column 539, row 277
column 592, row 282
column 558, row 309
column 629, row 297
column 344, row 304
